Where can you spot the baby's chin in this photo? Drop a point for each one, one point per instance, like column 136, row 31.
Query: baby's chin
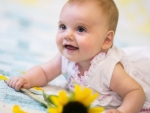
column 71, row 58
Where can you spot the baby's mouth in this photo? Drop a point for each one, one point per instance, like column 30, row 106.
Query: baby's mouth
column 70, row 47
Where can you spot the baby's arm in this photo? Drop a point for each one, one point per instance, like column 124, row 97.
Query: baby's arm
column 131, row 92
column 38, row 75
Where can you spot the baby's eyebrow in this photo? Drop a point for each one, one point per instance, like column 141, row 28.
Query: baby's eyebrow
column 59, row 22
column 82, row 24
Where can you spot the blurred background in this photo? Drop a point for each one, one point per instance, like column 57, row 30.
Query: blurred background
column 28, row 29
column 134, row 22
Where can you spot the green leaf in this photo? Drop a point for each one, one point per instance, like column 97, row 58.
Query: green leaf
column 44, row 95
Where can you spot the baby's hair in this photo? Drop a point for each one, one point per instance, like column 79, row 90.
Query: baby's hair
column 108, row 8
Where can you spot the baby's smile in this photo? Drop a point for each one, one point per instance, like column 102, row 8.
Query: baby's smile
column 70, row 47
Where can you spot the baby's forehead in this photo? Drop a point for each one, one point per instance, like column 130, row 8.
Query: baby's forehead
column 93, row 5
column 89, row 6
column 85, row 12
column 83, row 3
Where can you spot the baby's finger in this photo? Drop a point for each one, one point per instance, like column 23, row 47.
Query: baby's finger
column 19, row 84
column 14, row 82
column 10, row 82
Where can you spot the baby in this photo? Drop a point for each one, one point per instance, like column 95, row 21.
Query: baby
column 87, row 57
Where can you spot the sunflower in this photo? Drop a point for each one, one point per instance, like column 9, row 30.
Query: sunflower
column 78, row 101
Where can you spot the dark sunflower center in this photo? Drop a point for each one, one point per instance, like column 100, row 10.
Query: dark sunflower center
column 74, row 107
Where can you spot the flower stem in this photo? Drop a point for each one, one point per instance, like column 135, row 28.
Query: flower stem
column 35, row 97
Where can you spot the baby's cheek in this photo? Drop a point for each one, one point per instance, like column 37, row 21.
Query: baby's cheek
column 59, row 37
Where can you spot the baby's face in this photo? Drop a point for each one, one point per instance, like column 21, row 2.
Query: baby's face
column 81, row 31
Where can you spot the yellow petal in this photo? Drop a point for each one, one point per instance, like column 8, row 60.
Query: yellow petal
column 89, row 100
column 38, row 88
column 59, row 101
column 77, row 92
column 57, row 109
column 55, row 100
column 2, row 77
column 86, row 92
column 60, row 109
column 96, row 110
column 63, row 98
column 53, row 110
column 16, row 109
column 84, row 95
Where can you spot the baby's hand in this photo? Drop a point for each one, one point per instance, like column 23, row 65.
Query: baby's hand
column 17, row 82
column 112, row 111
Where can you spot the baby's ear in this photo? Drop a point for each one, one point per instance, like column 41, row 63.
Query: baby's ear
column 108, row 42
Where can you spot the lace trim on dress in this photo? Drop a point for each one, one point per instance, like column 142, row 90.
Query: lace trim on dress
column 84, row 80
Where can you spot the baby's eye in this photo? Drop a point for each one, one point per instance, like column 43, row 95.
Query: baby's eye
column 81, row 29
column 62, row 27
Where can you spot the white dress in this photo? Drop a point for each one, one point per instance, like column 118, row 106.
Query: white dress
column 136, row 62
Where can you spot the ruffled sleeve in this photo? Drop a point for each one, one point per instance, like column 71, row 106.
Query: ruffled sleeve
column 100, row 80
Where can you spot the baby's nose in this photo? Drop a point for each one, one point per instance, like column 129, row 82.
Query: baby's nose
column 69, row 35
